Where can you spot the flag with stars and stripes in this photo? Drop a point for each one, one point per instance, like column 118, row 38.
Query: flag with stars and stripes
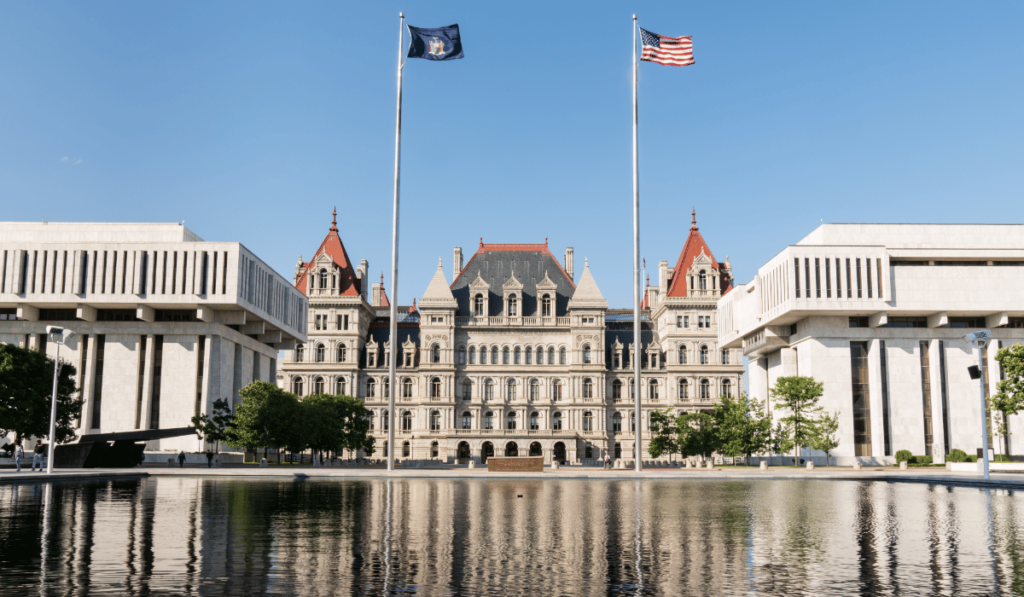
column 671, row 51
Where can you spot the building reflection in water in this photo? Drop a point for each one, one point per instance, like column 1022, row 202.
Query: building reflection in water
column 310, row 537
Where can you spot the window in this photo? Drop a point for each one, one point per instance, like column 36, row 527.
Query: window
column 488, row 390
column 686, row 321
column 617, row 390
column 488, row 420
column 300, row 353
column 472, row 355
column 796, row 268
column 561, row 356
column 478, row 305
column 435, row 387
column 467, row 390
column 727, row 388
column 652, row 389
column 320, row 351
column 296, row 386
column 861, row 398
column 435, row 421
column 616, row 422
column 551, row 355
column 371, row 388
column 534, row 389
column 342, row 353
column 435, row 354
column 467, row 420
column 513, row 310
column 617, row 360
column 344, row 322
column 406, row 388
column 534, row 425
column 705, row 390
column 504, row 356
column 684, row 389
column 518, row 356
column 510, row 390
column 386, row 384
column 556, row 393
column 406, row 449
column 407, row 356
column 702, row 278
column 340, row 386
column 434, row 450
column 494, row 355
column 556, row 422
column 588, row 421
column 483, row 356
column 323, row 278
column 705, row 359
column 529, row 355
column 318, row 385
column 586, row 354
column 632, row 421
column 679, row 321
column 682, row 354
column 588, row 388
column 384, row 426
column 510, row 421
column 545, row 306
column 407, row 421
column 725, row 357
column 369, row 421
column 462, row 355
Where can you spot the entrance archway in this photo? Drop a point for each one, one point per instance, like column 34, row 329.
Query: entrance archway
column 618, row 450
column 486, row 451
column 535, row 449
column 560, row 452
column 463, row 450
column 511, row 449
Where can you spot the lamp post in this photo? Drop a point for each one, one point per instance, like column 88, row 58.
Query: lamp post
column 980, row 340
column 58, row 336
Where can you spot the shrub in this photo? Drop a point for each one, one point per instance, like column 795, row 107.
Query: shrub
column 971, row 458
column 1001, row 458
column 903, row 456
column 956, row 455
column 920, row 460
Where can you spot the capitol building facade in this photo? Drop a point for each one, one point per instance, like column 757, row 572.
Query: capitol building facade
column 513, row 356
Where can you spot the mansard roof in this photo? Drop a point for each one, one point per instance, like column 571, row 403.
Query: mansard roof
column 494, row 264
column 332, row 247
column 692, row 249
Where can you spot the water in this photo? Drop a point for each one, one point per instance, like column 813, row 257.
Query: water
column 201, row 536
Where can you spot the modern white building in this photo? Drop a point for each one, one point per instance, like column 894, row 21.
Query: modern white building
column 877, row 313
column 165, row 322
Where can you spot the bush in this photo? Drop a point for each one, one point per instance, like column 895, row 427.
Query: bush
column 971, row 458
column 956, row 455
column 903, row 456
column 1001, row 458
column 920, row 460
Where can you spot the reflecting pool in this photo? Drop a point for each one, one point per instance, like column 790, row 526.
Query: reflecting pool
column 504, row 537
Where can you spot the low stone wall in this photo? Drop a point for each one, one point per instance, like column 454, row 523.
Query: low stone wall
column 515, row 464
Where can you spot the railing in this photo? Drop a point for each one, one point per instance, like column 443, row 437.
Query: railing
column 512, row 321
column 558, row 432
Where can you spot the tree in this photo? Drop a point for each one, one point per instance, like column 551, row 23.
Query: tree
column 799, row 395
column 1009, row 399
column 664, row 434
column 26, row 384
column 826, row 434
column 268, row 417
column 743, row 426
column 214, row 429
column 781, row 440
column 698, row 434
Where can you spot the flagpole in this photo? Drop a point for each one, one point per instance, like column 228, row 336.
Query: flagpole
column 638, row 423
column 393, row 337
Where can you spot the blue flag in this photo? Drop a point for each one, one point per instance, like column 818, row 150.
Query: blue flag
column 441, row 43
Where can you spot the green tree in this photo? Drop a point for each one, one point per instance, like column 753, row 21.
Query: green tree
column 799, row 395
column 743, row 426
column 268, row 417
column 214, row 428
column 664, row 434
column 26, row 384
column 698, row 434
column 826, row 434
column 781, row 440
column 1009, row 398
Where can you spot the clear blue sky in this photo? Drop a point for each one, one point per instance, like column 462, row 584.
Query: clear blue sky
column 251, row 120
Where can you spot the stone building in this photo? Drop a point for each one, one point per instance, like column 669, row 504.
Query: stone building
column 877, row 313
column 513, row 356
column 165, row 322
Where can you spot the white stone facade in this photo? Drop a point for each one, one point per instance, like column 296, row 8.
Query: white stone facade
column 174, row 336
column 913, row 289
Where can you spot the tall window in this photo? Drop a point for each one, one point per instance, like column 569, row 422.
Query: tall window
column 323, row 278
column 510, row 392
column 588, row 421
column 556, row 393
column 467, row 420
column 435, row 354
column 705, row 390
column 705, row 358
column 556, row 422
column 534, row 389
column 926, row 395
column 467, row 390
column 561, row 356
column 652, row 389
column 534, row 424
column 340, row 386
column 725, row 356
column 478, row 305
column 434, row 449
column 518, row 356
column 632, row 421
column 588, row 388
column 513, row 305
column 320, row 351
column 342, row 353
column 462, row 355
column 300, row 353
column 617, row 422
column 371, row 388
column 727, row 388
column 406, row 388
column 318, row 385
column 435, row 420
column 510, row 422
column 494, row 355
column 384, row 426
column 472, row 355
column 684, row 389
column 407, row 421
column 617, row 390
column 386, row 384
column 435, row 387
column 702, row 280
column 406, row 449
column 297, row 386
column 551, row 355
column 545, row 306
column 504, row 356
column 488, row 420
column 586, row 353
column 488, row 390
column 682, row 354
column 861, row 398
column 529, row 355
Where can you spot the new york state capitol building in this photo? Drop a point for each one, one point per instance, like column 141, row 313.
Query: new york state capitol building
column 513, row 356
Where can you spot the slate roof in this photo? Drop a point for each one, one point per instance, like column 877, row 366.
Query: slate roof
column 495, row 263
column 693, row 247
column 349, row 285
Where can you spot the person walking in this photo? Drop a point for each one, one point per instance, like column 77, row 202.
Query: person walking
column 607, row 461
column 37, row 456
column 209, row 460
column 181, row 460
column 18, row 453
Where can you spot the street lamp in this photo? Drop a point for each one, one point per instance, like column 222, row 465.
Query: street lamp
column 980, row 340
column 58, row 336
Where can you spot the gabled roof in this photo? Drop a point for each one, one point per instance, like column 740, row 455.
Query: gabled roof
column 438, row 294
column 332, row 247
column 587, row 293
column 692, row 249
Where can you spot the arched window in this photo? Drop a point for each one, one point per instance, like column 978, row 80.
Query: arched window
column 478, row 305
column 384, row 426
column 652, row 389
column 617, row 422
column 483, row 355
column 386, row 384
column 342, row 353
column 617, row 390
column 556, row 391
column 435, row 354
column 435, row 387
column 545, row 306
column 472, row 355
column 407, row 421
column 702, row 278
column 323, row 278
column 318, row 385
column 556, row 422
column 632, row 422
column 320, row 352
column 517, row 355
column 406, row 449
column 529, row 355
column 632, row 389
column 511, row 389
column 551, row 355
column 297, row 386
column 467, row 390
column 534, row 424
column 434, row 450
column 510, row 420
column 467, row 420
column 488, row 390
column 705, row 359
column 513, row 310
column 725, row 357
column 682, row 354
column 705, row 390
column 494, row 355
column 586, row 354
column 727, row 388
column 371, row 388
column 340, row 386
column 300, row 353
column 406, row 388
column 534, row 390
column 488, row 420
column 369, row 421
column 561, row 356
column 588, row 388
column 588, row 421
column 504, row 356
column 435, row 420
column 684, row 389
column 462, row 355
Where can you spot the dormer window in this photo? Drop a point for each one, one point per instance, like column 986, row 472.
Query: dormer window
column 702, row 280
column 545, row 306
column 513, row 305
column 323, row 278
column 478, row 305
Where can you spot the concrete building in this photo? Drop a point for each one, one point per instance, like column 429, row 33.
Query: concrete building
column 877, row 312
column 166, row 323
column 513, row 356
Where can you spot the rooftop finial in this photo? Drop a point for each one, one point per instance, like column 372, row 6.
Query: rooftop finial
column 545, row 241
column 693, row 220
column 382, row 278
column 334, row 219
column 481, row 242
column 648, row 280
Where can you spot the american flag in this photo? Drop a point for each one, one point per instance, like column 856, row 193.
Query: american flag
column 671, row 51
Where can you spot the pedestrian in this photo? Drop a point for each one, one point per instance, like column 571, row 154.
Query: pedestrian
column 607, row 461
column 209, row 460
column 181, row 460
column 18, row 453
column 37, row 456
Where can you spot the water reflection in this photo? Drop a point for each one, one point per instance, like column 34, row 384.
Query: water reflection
column 245, row 537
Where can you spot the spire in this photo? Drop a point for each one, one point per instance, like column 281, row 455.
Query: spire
column 438, row 294
column 587, row 294
column 412, row 309
column 693, row 220
column 334, row 220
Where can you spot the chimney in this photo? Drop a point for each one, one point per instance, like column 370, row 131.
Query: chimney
column 458, row 264
column 361, row 271
column 568, row 263
column 375, row 301
column 663, row 277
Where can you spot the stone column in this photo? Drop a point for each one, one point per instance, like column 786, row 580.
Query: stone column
column 147, row 382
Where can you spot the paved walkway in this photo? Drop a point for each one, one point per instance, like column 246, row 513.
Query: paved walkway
column 935, row 476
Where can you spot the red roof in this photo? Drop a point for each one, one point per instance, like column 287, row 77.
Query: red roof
column 332, row 247
column 384, row 302
column 694, row 246
column 646, row 303
column 484, row 247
